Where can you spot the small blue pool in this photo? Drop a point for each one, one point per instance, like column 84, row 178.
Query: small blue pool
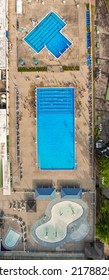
column 55, row 128
column 47, row 34
column 11, row 238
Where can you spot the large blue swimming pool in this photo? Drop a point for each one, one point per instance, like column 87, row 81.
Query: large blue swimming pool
column 55, row 128
column 47, row 34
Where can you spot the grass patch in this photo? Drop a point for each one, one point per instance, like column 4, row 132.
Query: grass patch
column 102, row 226
column 88, row 28
column 11, row 174
column 103, row 169
column 7, row 144
column 89, row 51
column 32, row 69
column 71, row 68
column 96, row 133
column 87, row 6
column 99, row 200
column 44, row 68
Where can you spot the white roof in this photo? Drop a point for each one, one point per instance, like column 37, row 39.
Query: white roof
column 3, row 153
column 3, row 139
column 6, row 178
column 19, row 7
column 2, row 34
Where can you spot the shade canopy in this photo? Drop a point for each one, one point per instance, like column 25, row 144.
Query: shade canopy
column 45, row 193
column 75, row 193
column 31, row 206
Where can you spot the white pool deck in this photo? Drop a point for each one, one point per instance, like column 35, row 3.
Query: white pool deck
column 3, row 33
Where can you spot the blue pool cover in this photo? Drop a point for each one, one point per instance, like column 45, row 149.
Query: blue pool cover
column 55, row 128
column 47, row 34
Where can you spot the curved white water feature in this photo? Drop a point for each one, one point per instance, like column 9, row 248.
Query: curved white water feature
column 62, row 214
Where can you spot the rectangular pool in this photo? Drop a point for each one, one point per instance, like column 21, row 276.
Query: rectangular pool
column 55, row 128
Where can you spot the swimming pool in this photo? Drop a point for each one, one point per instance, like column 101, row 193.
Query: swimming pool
column 47, row 34
column 64, row 221
column 11, row 238
column 55, row 128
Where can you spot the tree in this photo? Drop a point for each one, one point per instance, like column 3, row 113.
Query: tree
column 102, row 227
column 103, row 165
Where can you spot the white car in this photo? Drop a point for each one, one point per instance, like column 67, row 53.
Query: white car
column 100, row 127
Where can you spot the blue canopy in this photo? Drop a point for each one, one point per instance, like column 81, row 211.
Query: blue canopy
column 45, row 193
column 7, row 34
column 87, row 18
column 88, row 60
column 71, row 193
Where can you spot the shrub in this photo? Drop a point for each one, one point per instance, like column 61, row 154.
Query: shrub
column 71, row 68
column 32, row 69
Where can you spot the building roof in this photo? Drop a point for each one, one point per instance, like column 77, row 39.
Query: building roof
column 71, row 192
column 3, row 153
column 19, row 7
column 31, row 206
column 2, row 34
column 3, row 142
column 45, row 193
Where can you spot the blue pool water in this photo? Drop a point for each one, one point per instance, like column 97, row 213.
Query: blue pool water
column 11, row 238
column 55, row 128
column 47, row 34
